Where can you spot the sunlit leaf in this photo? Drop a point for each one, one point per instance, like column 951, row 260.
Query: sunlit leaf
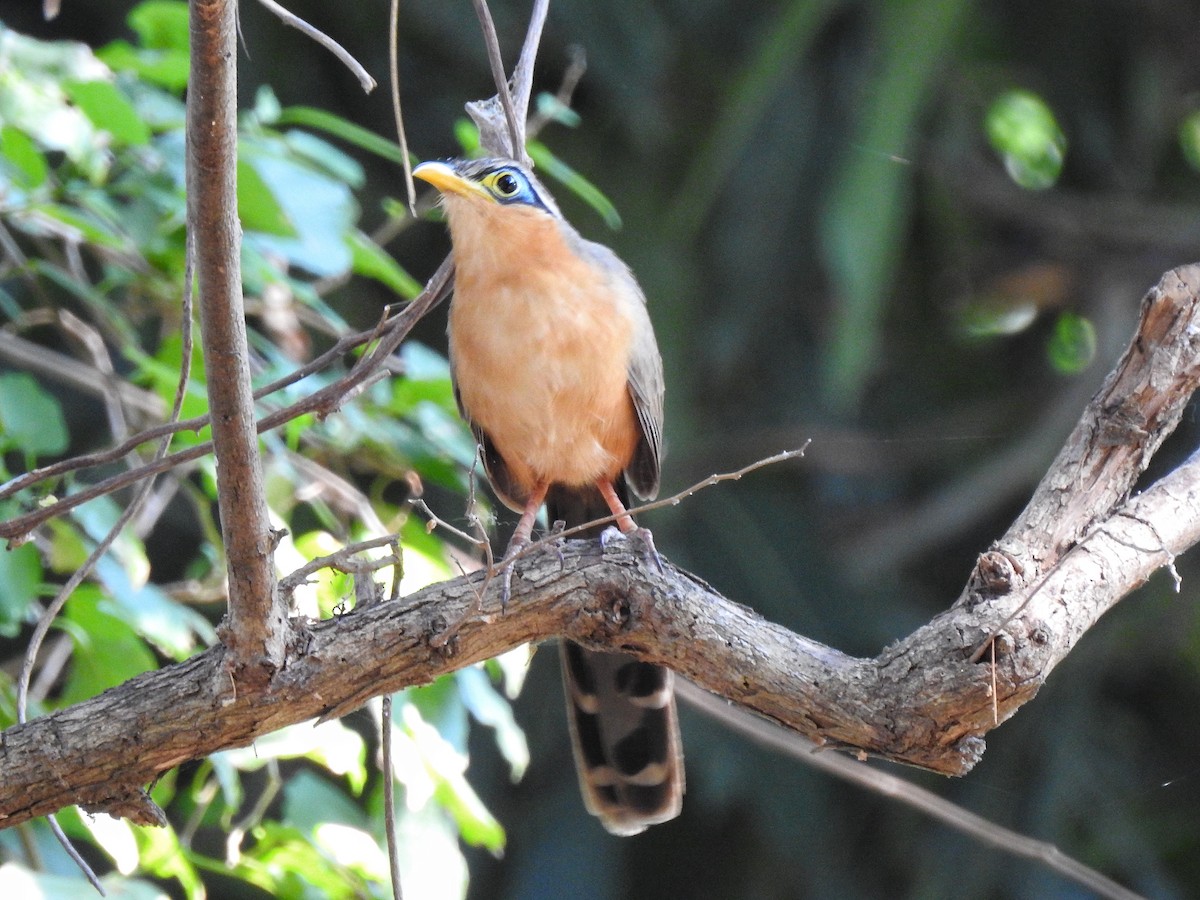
column 31, row 419
column 342, row 128
column 491, row 709
column 331, row 744
column 325, row 156
column 16, row 881
column 372, row 261
column 1072, row 346
column 115, row 836
column 23, row 156
column 321, row 209
column 161, row 24
column 111, row 652
column 257, row 207
column 108, row 109
column 447, row 766
column 310, row 801
column 161, row 855
column 20, row 575
column 1023, row 130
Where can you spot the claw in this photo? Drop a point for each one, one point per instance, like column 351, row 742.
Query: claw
column 515, row 546
column 646, row 539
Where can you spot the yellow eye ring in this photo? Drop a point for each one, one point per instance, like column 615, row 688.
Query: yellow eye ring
column 504, row 184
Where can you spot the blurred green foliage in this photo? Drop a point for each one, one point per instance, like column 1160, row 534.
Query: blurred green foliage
column 915, row 232
column 92, row 180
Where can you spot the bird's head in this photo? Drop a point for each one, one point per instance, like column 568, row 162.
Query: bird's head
column 486, row 182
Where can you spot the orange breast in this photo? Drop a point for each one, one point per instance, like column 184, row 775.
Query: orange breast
column 540, row 344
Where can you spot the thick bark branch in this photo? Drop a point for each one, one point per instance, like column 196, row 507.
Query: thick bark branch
column 257, row 624
column 921, row 701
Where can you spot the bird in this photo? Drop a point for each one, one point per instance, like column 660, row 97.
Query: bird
column 557, row 371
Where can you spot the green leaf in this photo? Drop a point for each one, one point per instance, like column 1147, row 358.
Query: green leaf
column 257, row 207
column 369, row 259
column 493, row 710
column 107, row 109
column 1189, row 139
column 326, row 157
column 321, row 209
column 58, row 221
column 1072, row 346
column 551, row 165
column 865, row 219
column 20, row 575
column 549, row 106
column 161, row 24
column 107, row 650
column 1022, row 129
column 467, row 135
column 165, row 68
column 309, row 801
column 31, row 420
column 20, row 150
column 344, row 129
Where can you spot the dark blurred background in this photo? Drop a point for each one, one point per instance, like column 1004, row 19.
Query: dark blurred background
column 812, row 205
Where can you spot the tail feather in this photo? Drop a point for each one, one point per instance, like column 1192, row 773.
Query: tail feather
column 624, row 727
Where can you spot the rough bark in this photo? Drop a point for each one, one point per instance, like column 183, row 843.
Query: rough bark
column 1079, row 547
column 256, row 627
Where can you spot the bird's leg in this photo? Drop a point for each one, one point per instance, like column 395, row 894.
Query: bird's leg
column 625, row 521
column 520, row 538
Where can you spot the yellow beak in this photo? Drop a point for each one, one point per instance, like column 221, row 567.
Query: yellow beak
column 446, row 180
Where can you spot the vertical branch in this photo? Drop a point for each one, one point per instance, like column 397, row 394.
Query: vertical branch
column 256, row 623
column 522, row 78
column 516, row 129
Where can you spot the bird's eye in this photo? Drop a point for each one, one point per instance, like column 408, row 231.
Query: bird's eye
column 506, row 184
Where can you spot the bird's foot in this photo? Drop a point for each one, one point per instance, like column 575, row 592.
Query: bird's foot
column 642, row 540
column 515, row 546
column 645, row 537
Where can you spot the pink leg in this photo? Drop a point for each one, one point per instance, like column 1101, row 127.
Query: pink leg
column 624, row 521
column 521, row 536
column 524, row 529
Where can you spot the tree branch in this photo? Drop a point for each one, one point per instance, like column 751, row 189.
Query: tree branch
column 921, row 701
column 257, row 617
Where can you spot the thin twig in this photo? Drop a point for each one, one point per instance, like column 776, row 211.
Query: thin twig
column 522, row 78
column 343, row 561
column 61, row 837
column 673, row 500
column 516, row 129
column 394, row 75
column 939, row 808
column 324, row 400
column 576, row 67
column 389, row 795
column 343, row 55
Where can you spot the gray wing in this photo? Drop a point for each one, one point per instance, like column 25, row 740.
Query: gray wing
column 645, row 369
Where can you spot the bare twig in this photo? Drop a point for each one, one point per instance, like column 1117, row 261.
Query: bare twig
column 858, row 773
column 343, row 55
column 394, row 74
column 389, row 795
column 323, row 401
column 522, row 78
column 516, row 126
column 673, row 500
